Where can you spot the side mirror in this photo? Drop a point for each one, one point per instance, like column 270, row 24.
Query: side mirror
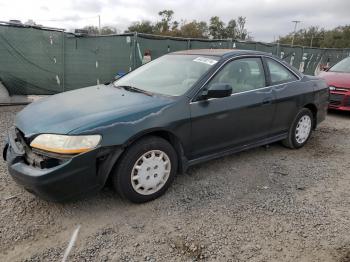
column 218, row 90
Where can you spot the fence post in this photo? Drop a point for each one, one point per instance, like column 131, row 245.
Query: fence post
column 302, row 61
column 277, row 48
column 229, row 43
column 134, row 51
column 63, row 62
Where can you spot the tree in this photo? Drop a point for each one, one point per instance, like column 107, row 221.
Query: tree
column 174, row 25
column 339, row 37
column 142, row 27
column 242, row 32
column 312, row 36
column 194, row 29
column 91, row 29
column 203, row 28
column 216, row 27
column 231, row 29
column 164, row 24
column 108, row 30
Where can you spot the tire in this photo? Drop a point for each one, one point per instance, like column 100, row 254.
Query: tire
column 146, row 170
column 300, row 130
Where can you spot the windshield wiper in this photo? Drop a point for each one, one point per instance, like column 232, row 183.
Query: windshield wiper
column 135, row 89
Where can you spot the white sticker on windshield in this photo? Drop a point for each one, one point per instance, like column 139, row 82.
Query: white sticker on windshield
column 205, row 60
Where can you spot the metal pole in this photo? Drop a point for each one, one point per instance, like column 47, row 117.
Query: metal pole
column 99, row 24
column 278, row 48
column 312, row 38
column 295, row 29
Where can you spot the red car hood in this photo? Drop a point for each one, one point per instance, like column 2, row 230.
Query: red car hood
column 336, row 79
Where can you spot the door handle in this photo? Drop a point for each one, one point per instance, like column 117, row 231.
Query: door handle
column 267, row 101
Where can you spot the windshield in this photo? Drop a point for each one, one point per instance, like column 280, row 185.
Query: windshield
column 343, row 66
column 169, row 75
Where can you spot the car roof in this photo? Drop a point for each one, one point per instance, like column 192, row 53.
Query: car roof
column 218, row 52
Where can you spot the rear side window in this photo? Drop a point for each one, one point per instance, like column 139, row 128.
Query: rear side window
column 278, row 73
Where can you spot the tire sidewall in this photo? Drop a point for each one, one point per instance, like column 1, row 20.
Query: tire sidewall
column 302, row 113
column 122, row 176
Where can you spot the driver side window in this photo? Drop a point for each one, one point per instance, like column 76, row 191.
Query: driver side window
column 242, row 75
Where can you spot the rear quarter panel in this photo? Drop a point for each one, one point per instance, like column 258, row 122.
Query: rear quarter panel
column 321, row 99
column 293, row 96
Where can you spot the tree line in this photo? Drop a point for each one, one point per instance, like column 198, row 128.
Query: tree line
column 216, row 29
column 314, row 36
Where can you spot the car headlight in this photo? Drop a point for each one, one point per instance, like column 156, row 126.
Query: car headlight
column 331, row 88
column 64, row 144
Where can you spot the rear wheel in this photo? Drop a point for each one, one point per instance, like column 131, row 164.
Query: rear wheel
column 146, row 170
column 300, row 130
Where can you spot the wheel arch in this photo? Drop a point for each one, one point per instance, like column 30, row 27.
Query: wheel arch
column 168, row 136
column 313, row 108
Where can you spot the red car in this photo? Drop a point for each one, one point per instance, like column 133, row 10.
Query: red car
column 338, row 80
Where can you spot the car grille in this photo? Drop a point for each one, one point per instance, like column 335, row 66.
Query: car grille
column 348, row 102
column 336, row 99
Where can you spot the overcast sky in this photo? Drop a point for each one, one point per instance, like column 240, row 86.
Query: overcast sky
column 266, row 19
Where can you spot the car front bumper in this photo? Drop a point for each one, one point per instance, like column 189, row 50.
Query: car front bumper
column 339, row 100
column 73, row 178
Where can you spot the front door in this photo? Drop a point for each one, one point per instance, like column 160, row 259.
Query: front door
column 239, row 119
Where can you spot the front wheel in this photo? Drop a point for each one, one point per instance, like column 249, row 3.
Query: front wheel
column 300, row 130
column 146, row 170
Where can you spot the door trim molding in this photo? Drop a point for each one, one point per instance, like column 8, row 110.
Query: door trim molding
column 237, row 149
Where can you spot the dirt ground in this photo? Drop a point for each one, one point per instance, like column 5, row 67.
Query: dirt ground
column 265, row 204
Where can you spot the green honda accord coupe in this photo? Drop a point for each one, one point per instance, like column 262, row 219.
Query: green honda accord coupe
column 181, row 109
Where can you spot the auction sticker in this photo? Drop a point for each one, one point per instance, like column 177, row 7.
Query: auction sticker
column 205, row 60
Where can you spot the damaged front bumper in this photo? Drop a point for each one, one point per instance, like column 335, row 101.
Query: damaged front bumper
column 59, row 179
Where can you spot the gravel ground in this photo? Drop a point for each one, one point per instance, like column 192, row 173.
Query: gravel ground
column 266, row 204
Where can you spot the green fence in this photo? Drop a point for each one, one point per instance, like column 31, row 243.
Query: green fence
column 44, row 61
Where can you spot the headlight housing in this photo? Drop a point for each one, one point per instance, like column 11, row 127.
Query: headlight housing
column 64, row 144
column 331, row 88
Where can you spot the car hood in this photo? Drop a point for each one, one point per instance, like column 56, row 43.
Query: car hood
column 85, row 108
column 336, row 79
